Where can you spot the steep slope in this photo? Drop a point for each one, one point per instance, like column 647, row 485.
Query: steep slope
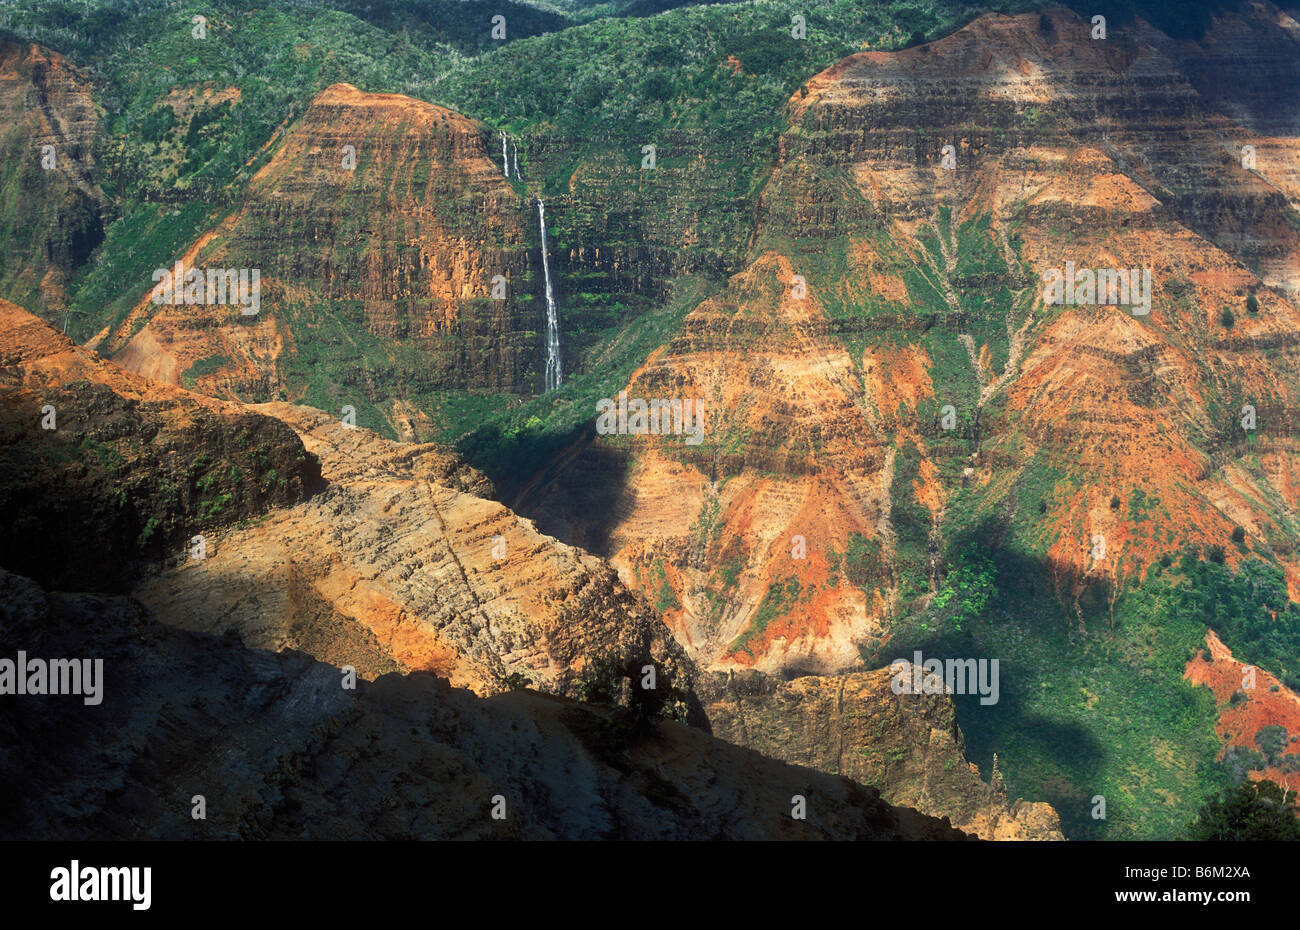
column 908, row 746
column 101, row 471
column 396, row 565
column 909, row 447
column 399, row 566
column 920, row 287
column 276, row 748
column 394, row 569
column 831, row 519
column 377, row 227
column 1244, row 65
column 51, row 205
column 1249, row 705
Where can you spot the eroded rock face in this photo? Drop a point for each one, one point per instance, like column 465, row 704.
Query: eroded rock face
column 1244, row 711
column 387, row 266
column 908, row 746
column 392, row 571
column 883, row 288
column 130, row 471
column 48, row 125
column 278, row 749
column 397, row 567
column 820, row 505
column 1244, row 65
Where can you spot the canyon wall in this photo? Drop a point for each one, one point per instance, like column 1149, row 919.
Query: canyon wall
column 378, row 226
column 52, row 210
column 883, row 289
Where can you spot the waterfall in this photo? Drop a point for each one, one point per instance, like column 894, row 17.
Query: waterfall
column 505, row 164
column 554, row 374
column 514, row 151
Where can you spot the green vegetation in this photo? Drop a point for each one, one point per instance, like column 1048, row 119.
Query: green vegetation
column 1250, row 610
column 1250, row 811
column 779, row 600
column 202, row 367
column 1093, row 699
column 107, row 455
column 912, row 525
column 1272, row 740
column 862, row 563
column 1093, row 702
column 667, row 598
column 512, row 444
column 516, row 681
column 968, row 589
column 582, row 99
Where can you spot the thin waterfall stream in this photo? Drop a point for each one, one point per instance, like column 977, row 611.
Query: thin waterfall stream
column 554, row 371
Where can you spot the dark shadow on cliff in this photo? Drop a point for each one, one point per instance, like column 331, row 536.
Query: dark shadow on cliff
column 1090, row 688
column 275, row 745
column 122, row 483
column 576, row 490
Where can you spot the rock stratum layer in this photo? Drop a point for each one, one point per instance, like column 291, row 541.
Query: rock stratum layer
column 378, row 226
column 889, row 397
column 393, row 566
column 50, row 200
column 884, row 289
column 908, row 746
column 398, row 566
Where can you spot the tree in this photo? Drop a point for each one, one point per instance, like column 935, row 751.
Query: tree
column 1250, row 811
column 1252, row 304
column 1227, row 319
column 1272, row 740
column 516, row 681
column 1239, row 535
column 599, row 682
column 657, row 86
column 646, row 705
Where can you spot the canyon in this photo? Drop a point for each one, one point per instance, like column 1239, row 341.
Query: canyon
column 381, row 560
column 398, row 465
column 827, row 422
column 276, row 749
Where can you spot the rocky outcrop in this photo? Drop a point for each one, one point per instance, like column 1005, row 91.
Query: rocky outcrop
column 273, row 746
column 396, row 566
column 896, row 281
column 103, row 470
column 53, row 206
column 906, row 745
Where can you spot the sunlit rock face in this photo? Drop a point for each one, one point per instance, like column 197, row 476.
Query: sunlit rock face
column 387, row 241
